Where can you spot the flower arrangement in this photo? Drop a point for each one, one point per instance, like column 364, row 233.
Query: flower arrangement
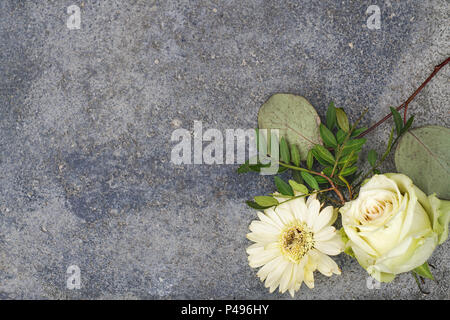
column 391, row 222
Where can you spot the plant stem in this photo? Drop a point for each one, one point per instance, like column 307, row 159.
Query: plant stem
column 418, row 283
column 300, row 196
column 411, row 98
column 333, row 186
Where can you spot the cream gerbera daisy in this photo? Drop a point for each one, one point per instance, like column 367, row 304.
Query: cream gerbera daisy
column 292, row 241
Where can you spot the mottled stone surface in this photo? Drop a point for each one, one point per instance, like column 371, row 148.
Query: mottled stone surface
column 86, row 118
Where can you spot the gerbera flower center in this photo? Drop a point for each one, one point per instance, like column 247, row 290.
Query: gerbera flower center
column 296, row 242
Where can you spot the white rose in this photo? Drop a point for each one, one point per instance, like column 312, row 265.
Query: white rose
column 393, row 227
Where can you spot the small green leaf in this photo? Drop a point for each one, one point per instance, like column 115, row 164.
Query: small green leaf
column 254, row 205
column 266, row 201
column 331, row 116
column 309, row 160
column 408, row 124
column 357, row 132
column 309, row 179
column 342, row 119
column 295, row 155
column 348, row 171
column 297, row 176
column 372, row 157
column 257, row 167
column 321, row 153
column 397, row 120
column 281, row 169
column 320, row 180
column 283, row 187
column 348, row 160
column 389, row 145
column 298, row 187
column 327, row 136
column 353, row 145
column 284, row 151
column 327, row 171
column 244, row 168
column 340, row 135
column 424, row 271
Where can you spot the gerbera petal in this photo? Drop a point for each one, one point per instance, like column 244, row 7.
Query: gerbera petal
column 267, row 220
column 325, row 234
column 262, row 257
column 262, row 227
column 269, row 267
column 299, row 209
column 326, row 265
column 262, row 237
column 286, row 278
column 322, row 219
column 309, row 278
column 313, row 212
column 274, row 277
column 285, row 215
column 331, row 247
column 270, row 213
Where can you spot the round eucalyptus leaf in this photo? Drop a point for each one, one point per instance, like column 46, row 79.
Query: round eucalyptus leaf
column 423, row 154
column 296, row 119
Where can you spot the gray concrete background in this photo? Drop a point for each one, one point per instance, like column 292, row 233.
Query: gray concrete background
column 86, row 118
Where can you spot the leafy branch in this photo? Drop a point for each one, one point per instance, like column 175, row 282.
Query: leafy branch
column 408, row 101
column 326, row 168
column 401, row 127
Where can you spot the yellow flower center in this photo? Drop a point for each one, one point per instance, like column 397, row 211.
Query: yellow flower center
column 296, row 241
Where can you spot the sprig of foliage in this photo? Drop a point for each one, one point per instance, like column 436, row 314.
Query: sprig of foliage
column 328, row 167
column 400, row 128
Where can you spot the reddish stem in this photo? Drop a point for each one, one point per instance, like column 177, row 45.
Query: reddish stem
column 411, row 98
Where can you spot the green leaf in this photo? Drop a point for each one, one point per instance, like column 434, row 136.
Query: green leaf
column 342, row 119
column 348, row 160
column 327, row 171
column 281, row 169
column 348, row 171
column 296, row 119
column 397, row 120
column 309, row 179
column 320, row 180
column 295, row 155
column 353, row 145
column 297, row 176
column 284, row 151
column 327, row 136
column 298, row 187
column 340, row 135
column 408, row 124
column 321, row 153
column 424, row 271
column 243, row 168
column 358, row 131
column 331, row 116
column 283, row 187
column 372, row 157
column 266, row 201
column 254, row 205
column 423, row 154
column 309, row 160
column 257, row 167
